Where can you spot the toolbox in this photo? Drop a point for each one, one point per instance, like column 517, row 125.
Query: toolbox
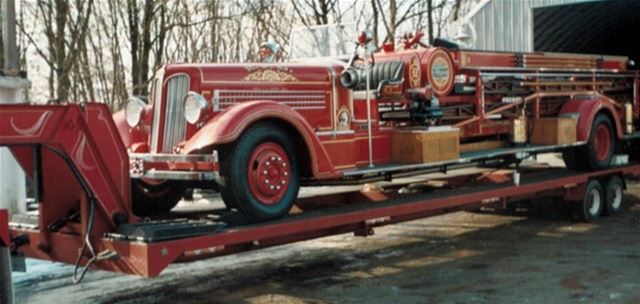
column 554, row 131
column 425, row 145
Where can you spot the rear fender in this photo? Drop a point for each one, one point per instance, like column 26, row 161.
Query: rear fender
column 586, row 108
column 5, row 240
column 226, row 127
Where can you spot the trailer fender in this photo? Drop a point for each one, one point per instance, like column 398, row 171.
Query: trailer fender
column 586, row 108
column 228, row 126
column 5, row 240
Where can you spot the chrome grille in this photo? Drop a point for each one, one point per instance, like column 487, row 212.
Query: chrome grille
column 297, row 100
column 174, row 122
column 157, row 105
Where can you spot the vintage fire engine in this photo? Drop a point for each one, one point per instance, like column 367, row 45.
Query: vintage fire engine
column 257, row 132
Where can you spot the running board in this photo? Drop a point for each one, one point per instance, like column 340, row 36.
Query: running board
column 178, row 175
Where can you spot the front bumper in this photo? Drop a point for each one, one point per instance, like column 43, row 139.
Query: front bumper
column 193, row 167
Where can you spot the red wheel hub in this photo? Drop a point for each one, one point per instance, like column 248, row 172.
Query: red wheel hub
column 602, row 142
column 269, row 173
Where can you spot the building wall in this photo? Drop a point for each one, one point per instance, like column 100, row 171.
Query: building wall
column 506, row 25
column 12, row 178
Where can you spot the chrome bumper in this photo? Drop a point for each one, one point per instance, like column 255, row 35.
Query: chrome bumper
column 153, row 166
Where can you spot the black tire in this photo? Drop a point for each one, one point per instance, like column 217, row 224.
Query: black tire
column 613, row 193
column 593, row 156
column 228, row 200
column 268, row 197
column 225, row 153
column 591, row 205
column 147, row 199
column 573, row 159
column 633, row 149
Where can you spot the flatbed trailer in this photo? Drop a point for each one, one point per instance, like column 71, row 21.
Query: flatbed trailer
column 101, row 227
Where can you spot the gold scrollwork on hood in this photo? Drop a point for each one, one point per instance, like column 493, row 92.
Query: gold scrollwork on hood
column 269, row 75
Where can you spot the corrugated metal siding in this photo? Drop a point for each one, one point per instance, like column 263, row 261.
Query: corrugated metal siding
column 507, row 25
column 571, row 28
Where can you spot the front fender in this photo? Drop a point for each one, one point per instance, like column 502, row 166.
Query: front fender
column 133, row 138
column 586, row 108
column 230, row 124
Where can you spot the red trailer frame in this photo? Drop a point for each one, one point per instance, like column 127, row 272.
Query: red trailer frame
column 99, row 220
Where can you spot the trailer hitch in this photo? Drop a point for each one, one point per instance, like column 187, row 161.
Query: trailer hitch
column 367, row 226
column 18, row 263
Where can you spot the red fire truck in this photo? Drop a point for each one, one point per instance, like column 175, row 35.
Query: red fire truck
column 257, row 132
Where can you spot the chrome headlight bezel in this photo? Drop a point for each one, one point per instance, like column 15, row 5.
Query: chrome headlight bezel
column 133, row 110
column 194, row 107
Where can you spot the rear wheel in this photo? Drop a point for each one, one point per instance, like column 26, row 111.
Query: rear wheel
column 633, row 149
column 598, row 152
column 261, row 177
column 613, row 189
column 572, row 159
column 591, row 205
column 155, row 197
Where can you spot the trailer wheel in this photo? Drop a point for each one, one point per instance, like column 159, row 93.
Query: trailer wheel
column 591, row 205
column 614, row 190
column 148, row 198
column 262, row 174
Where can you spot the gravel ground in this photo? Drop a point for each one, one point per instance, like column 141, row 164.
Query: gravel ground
column 455, row 258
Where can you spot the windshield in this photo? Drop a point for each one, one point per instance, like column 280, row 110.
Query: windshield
column 334, row 40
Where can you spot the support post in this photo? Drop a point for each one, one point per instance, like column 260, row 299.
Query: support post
column 12, row 179
column 9, row 37
column 6, row 285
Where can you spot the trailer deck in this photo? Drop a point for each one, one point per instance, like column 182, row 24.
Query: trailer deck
column 147, row 248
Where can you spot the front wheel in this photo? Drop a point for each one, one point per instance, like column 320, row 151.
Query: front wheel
column 261, row 175
column 148, row 198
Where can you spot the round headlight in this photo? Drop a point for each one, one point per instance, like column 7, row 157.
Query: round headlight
column 194, row 106
column 133, row 111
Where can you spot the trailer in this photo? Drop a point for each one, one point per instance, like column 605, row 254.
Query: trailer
column 90, row 224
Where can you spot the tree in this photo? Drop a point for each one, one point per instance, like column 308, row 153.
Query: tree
column 65, row 28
